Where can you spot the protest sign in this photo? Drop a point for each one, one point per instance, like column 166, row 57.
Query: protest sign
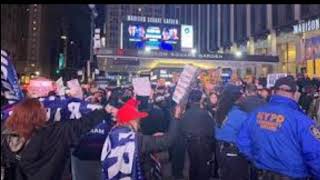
column 272, row 78
column 75, row 88
column 40, row 87
column 187, row 77
column 61, row 89
column 141, row 86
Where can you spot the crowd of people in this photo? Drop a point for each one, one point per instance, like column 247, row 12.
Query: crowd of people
column 237, row 130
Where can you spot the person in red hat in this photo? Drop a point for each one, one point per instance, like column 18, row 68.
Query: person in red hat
column 125, row 146
column 128, row 114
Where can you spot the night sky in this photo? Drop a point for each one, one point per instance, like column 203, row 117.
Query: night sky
column 79, row 19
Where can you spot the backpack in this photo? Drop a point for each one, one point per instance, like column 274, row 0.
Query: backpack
column 11, row 148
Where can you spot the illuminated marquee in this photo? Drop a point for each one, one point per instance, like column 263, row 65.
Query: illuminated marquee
column 311, row 25
column 188, row 55
column 152, row 20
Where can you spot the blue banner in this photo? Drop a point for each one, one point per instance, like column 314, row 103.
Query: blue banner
column 60, row 108
column 10, row 88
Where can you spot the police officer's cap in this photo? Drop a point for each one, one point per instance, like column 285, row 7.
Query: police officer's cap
column 286, row 81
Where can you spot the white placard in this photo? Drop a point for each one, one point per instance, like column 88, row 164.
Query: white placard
column 272, row 78
column 60, row 87
column 141, row 86
column 183, row 87
column 75, row 88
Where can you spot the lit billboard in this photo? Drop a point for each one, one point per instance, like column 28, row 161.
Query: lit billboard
column 153, row 36
column 139, row 32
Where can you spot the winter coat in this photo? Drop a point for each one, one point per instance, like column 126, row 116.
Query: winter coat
column 278, row 137
column 155, row 122
column 45, row 156
column 305, row 101
column 197, row 122
column 154, row 144
column 314, row 110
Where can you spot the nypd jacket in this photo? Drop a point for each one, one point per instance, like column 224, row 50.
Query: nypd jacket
column 229, row 130
column 279, row 137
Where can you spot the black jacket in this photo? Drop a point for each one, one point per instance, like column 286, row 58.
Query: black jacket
column 155, row 122
column 148, row 143
column 197, row 122
column 305, row 101
column 46, row 154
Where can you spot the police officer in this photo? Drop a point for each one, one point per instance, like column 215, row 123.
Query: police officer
column 280, row 140
column 229, row 119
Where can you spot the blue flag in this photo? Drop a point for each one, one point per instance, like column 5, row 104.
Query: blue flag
column 119, row 156
column 10, row 88
column 60, row 108
column 65, row 108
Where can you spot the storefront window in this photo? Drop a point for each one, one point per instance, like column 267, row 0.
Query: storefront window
column 287, row 57
column 261, row 51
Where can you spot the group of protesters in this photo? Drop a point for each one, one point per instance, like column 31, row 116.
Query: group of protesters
column 239, row 130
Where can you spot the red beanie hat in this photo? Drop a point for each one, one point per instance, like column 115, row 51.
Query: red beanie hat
column 129, row 111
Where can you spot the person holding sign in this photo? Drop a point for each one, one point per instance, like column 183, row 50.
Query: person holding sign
column 33, row 148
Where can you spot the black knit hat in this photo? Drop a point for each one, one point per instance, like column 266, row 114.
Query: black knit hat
column 195, row 96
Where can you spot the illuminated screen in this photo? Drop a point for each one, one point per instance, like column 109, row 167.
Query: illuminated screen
column 154, row 36
column 186, row 36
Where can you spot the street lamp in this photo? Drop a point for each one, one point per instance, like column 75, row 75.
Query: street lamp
column 238, row 54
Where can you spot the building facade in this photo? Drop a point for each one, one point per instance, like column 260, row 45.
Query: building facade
column 115, row 13
column 14, row 32
column 32, row 36
column 261, row 29
column 289, row 31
